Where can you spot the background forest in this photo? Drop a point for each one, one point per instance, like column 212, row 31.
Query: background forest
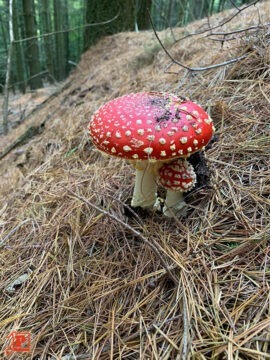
column 45, row 39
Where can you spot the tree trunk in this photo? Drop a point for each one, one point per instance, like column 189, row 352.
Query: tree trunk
column 32, row 50
column 18, row 51
column 8, row 70
column 60, row 69
column 200, row 9
column 99, row 11
column 4, row 33
column 142, row 14
column 176, row 14
column 66, row 35
column 183, row 13
column 46, row 28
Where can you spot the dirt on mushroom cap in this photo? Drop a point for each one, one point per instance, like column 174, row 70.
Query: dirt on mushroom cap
column 154, row 126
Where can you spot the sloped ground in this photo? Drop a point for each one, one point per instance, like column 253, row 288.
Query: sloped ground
column 21, row 106
column 91, row 288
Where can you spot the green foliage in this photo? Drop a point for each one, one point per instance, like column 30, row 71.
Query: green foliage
column 71, row 152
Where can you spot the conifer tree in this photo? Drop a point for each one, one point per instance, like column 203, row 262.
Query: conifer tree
column 31, row 45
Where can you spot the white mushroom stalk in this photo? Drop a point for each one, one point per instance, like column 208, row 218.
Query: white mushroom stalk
column 177, row 177
column 145, row 189
column 174, row 203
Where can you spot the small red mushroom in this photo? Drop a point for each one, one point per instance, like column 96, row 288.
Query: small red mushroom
column 177, row 177
column 150, row 128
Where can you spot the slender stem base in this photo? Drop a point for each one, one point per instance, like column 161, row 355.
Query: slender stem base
column 174, row 204
column 145, row 189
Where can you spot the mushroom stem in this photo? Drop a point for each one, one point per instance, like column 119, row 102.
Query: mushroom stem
column 145, row 189
column 174, row 203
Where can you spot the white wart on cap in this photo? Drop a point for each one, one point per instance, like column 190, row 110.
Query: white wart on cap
column 150, row 126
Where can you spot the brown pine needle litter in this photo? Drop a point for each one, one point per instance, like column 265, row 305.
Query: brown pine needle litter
column 90, row 278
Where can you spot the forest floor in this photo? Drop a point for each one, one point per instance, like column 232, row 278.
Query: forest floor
column 81, row 282
column 21, row 106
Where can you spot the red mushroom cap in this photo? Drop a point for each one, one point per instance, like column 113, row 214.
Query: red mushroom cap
column 150, row 126
column 178, row 175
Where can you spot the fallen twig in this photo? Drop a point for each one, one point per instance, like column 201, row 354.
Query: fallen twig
column 28, row 134
column 194, row 69
column 255, row 27
column 152, row 244
column 219, row 25
column 2, row 242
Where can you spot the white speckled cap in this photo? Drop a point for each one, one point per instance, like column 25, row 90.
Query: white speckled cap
column 150, row 126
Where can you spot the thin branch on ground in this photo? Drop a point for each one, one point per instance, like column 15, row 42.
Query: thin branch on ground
column 254, row 27
column 129, row 208
column 3, row 241
column 186, row 325
column 152, row 244
column 219, row 25
column 210, row 29
column 234, row 4
column 194, row 69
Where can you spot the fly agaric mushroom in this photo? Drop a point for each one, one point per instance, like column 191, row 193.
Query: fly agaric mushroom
column 149, row 128
column 177, row 177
